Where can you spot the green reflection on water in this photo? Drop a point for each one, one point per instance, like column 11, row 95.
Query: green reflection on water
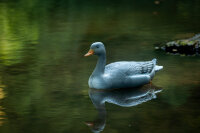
column 16, row 31
column 44, row 74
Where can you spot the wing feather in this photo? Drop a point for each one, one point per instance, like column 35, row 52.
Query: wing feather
column 130, row 68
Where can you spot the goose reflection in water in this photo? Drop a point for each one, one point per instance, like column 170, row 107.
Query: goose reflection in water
column 122, row 97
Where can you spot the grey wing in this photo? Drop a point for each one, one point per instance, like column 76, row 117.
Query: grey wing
column 140, row 68
column 130, row 68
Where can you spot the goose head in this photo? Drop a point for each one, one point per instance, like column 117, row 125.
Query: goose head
column 96, row 48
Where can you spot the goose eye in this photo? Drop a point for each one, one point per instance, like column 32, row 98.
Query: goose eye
column 97, row 46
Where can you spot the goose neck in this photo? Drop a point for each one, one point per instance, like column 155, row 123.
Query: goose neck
column 100, row 66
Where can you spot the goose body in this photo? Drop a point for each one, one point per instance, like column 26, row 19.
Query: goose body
column 123, row 74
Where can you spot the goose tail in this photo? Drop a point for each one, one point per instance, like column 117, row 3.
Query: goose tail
column 157, row 68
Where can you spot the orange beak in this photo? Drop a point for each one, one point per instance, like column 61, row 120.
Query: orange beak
column 90, row 52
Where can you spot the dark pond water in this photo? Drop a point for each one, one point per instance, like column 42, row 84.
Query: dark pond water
column 43, row 74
